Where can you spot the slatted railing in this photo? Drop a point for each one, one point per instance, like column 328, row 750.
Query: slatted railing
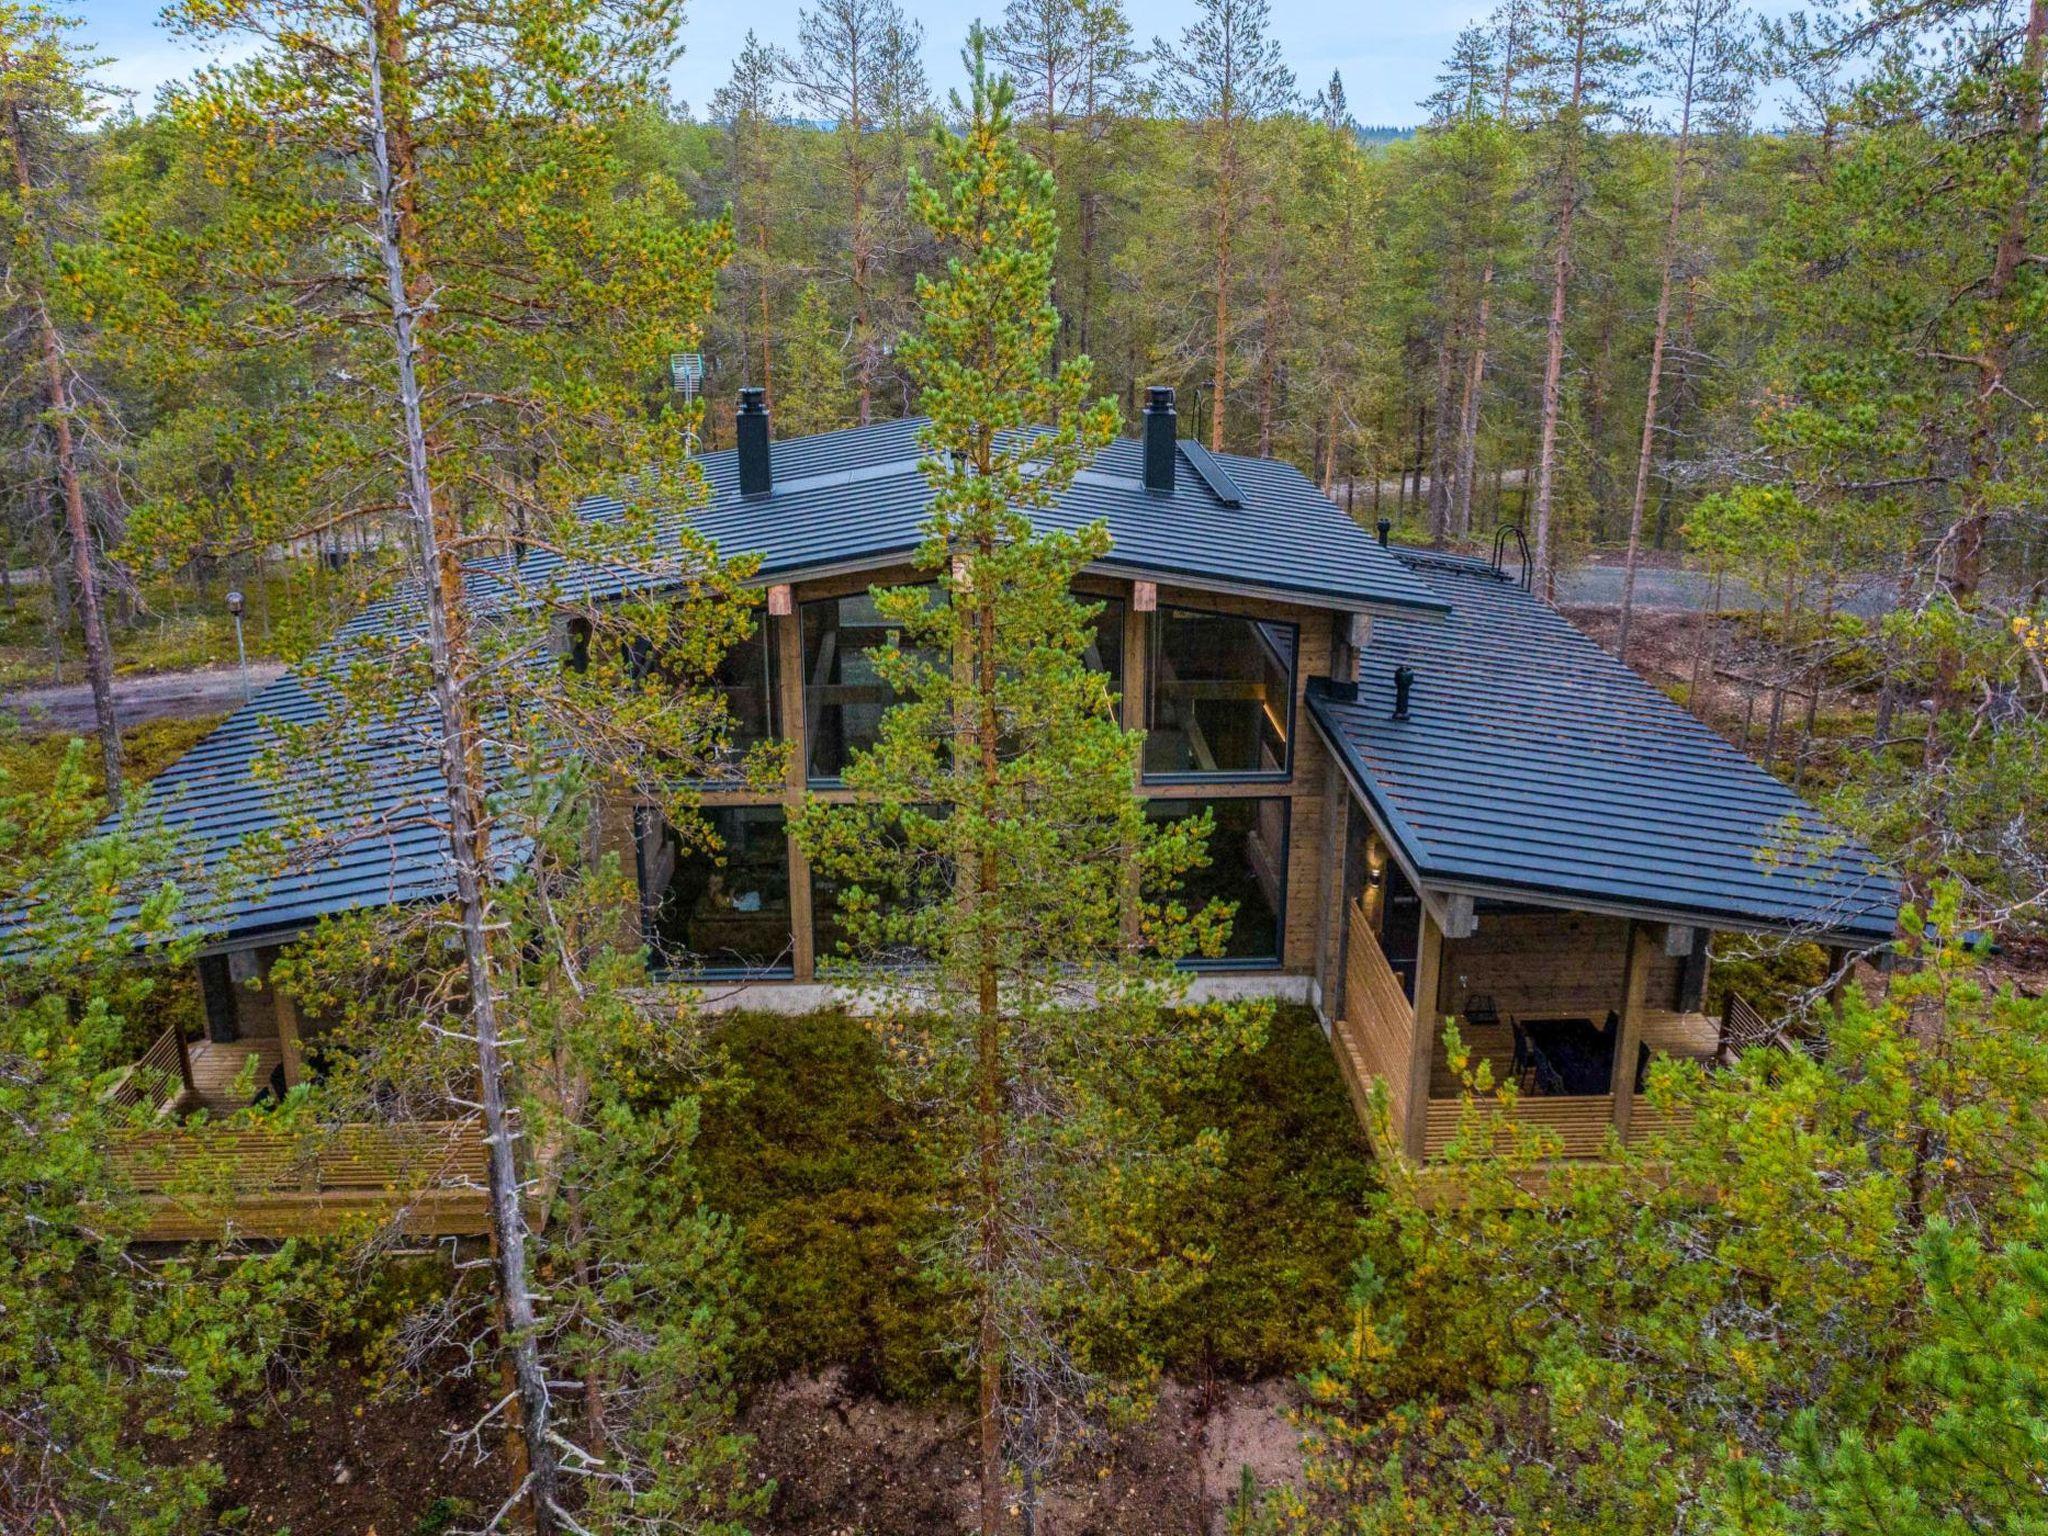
column 158, row 1076
column 1742, row 1027
column 1376, row 1032
column 1573, row 1125
column 264, row 1183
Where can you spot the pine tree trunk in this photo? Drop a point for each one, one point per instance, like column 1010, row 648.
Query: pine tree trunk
column 461, row 759
column 1468, row 410
column 1645, row 451
column 1553, row 356
column 989, row 1069
column 1441, row 439
column 99, row 654
column 1999, row 329
column 856, row 179
column 1225, row 188
column 767, row 318
column 1269, row 340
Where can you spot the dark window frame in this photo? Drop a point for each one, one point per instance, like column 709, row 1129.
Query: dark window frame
column 1154, row 639
column 1278, row 959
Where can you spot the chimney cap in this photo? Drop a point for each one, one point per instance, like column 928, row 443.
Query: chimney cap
column 753, row 400
column 1160, row 441
column 1404, row 685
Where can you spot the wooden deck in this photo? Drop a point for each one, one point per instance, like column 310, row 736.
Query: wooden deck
column 218, row 1083
column 428, row 1177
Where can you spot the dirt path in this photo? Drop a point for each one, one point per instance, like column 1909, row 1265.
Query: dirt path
column 140, row 699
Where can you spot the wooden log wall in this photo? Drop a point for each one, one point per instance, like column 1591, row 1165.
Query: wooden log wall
column 1550, row 965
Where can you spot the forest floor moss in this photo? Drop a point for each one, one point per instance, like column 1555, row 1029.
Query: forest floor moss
column 827, row 1179
column 30, row 763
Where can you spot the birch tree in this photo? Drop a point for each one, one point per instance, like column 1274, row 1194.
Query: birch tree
column 1005, row 897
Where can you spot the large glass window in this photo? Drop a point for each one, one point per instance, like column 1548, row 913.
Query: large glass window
column 902, row 887
column 1222, row 694
column 844, row 697
column 723, row 909
column 1106, row 651
column 1247, row 853
column 746, row 679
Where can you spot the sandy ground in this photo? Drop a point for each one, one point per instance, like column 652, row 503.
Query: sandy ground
column 346, row 1462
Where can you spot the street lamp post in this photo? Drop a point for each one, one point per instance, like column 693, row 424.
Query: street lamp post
column 241, row 651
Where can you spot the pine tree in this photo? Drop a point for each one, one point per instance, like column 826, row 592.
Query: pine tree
column 1704, row 61
column 108, row 1365
column 815, row 395
column 748, row 105
column 480, row 372
column 1578, row 79
column 50, row 103
column 1224, row 76
column 856, row 68
column 992, row 865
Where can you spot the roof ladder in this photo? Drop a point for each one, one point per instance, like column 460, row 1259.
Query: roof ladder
column 1500, row 544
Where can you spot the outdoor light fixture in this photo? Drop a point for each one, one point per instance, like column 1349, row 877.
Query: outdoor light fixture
column 241, row 651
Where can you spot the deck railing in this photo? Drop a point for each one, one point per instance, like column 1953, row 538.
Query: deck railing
column 157, row 1077
column 258, row 1182
column 1742, row 1027
column 1377, row 1025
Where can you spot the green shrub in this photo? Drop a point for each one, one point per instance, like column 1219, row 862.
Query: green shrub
column 830, row 1185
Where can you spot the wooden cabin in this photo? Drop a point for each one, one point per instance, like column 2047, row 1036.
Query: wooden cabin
column 1432, row 797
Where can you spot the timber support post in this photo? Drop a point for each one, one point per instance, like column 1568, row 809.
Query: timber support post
column 1628, row 1034
column 1422, row 1049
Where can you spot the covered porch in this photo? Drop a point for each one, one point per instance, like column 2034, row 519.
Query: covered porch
column 1569, row 1006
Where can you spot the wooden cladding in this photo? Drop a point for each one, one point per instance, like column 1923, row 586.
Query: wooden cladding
column 1551, row 964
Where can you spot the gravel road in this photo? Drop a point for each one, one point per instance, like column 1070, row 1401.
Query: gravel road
column 139, row 699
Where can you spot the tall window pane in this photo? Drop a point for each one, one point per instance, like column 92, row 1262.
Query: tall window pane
column 1105, row 653
column 724, row 910
column 844, row 697
column 898, row 888
column 1222, row 694
column 1247, row 852
column 746, row 679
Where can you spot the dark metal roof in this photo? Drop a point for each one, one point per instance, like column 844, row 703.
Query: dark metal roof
column 857, row 499
column 1533, row 763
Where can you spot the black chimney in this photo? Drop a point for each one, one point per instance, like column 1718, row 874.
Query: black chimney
column 1404, row 684
column 1386, row 527
column 751, row 427
column 1160, row 433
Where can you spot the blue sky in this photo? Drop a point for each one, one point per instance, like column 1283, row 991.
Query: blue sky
column 1388, row 51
